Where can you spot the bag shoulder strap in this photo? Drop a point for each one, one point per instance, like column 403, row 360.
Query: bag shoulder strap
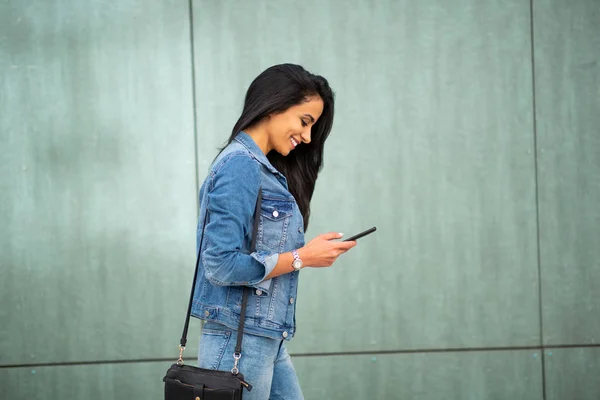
column 238, row 347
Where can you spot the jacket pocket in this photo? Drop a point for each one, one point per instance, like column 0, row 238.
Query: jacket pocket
column 275, row 215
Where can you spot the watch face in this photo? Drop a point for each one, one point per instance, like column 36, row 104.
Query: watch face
column 297, row 264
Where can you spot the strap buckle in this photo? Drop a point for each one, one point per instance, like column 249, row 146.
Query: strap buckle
column 235, row 370
column 180, row 359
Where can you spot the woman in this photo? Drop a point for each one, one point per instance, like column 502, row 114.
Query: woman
column 275, row 147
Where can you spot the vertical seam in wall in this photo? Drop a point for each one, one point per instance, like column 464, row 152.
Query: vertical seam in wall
column 537, row 202
column 193, row 67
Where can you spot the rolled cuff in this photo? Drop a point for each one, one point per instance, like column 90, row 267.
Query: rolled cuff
column 269, row 261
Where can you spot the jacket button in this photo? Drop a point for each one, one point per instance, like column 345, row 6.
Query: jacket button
column 206, row 313
column 291, row 300
column 285, row 334
column 275, row 214
column 258, row 292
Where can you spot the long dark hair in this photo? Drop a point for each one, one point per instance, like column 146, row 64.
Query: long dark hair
column 275, row 90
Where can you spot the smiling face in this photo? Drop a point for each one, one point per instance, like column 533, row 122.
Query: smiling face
column 288, row 129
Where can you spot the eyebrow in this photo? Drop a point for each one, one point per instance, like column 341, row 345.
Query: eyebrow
column 311, row 117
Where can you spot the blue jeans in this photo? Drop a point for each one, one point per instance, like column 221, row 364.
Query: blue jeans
column 265, row 362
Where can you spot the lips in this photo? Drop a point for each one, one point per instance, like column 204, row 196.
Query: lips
column 294, row 143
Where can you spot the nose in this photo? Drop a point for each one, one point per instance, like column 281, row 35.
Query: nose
column 306, row 136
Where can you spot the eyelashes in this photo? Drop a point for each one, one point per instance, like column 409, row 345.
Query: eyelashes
column 303, row 122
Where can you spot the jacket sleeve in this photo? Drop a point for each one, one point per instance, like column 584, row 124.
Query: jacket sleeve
column 231, row 204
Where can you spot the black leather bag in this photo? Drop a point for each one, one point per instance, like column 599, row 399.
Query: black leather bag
column 186, row 382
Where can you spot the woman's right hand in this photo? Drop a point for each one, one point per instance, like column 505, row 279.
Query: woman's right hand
column 322, row 251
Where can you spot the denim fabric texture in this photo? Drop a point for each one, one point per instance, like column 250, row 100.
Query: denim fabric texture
column 265, row 362
column 229, row 193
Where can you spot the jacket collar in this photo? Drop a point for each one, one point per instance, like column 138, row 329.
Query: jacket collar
column 249, row 143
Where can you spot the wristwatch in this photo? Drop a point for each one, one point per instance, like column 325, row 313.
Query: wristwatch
column 297, row 263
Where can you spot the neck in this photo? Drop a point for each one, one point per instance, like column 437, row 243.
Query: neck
column 260, row 137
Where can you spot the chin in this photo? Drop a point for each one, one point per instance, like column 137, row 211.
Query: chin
column 283, row 152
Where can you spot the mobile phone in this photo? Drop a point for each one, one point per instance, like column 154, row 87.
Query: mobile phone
column 358, row 236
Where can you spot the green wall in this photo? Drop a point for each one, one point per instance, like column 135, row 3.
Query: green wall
column 467, row 131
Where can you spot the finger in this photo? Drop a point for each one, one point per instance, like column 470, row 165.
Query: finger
column 341, row 251
column 332, row 235
column 346, row 245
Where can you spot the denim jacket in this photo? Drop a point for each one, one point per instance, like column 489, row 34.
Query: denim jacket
column 230, row 193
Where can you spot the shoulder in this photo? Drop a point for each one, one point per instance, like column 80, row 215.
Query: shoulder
column 236, row 164
column 242, row 161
